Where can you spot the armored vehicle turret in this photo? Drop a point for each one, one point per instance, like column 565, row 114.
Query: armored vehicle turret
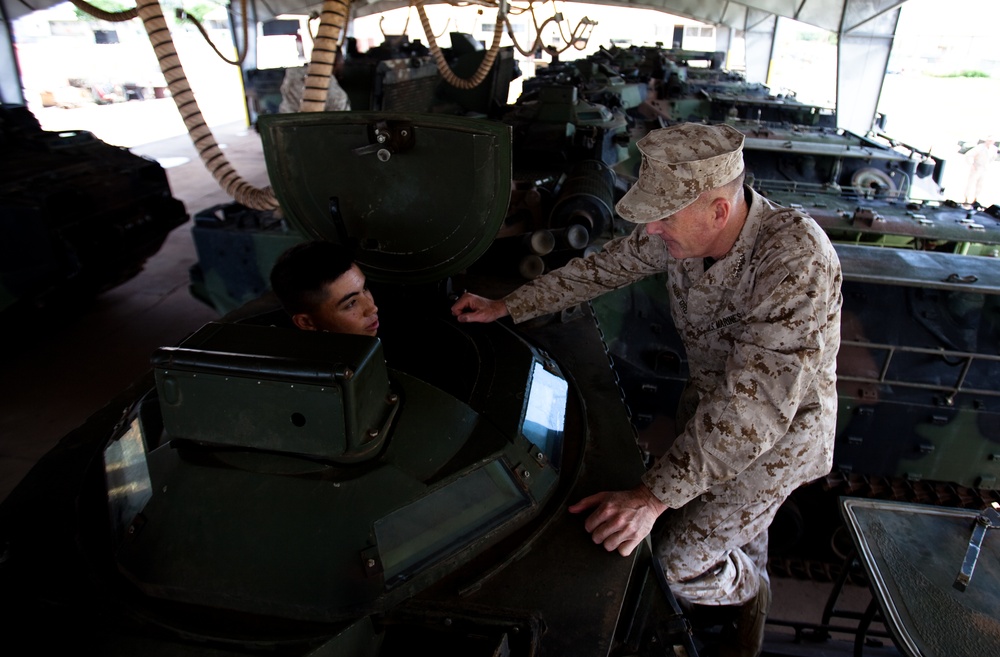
column 272, row 490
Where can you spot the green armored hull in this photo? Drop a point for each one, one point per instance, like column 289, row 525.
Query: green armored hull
column 266, row 490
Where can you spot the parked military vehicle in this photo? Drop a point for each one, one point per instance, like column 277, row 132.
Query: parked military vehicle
column 672, row 85
column 401, row 76
column 918, row 369
column 269, row 490
column 563, row 187
column 874, row 215
column 78, row 216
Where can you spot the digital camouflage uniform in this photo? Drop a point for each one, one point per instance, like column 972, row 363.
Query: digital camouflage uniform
column 293, row 88
column 761, row 329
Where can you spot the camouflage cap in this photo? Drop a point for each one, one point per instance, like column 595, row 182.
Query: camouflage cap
column 678, row 164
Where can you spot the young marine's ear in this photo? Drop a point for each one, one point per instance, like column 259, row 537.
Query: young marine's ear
column 304, row 321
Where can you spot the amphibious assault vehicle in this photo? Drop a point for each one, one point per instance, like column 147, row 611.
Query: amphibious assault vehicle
column 79, row 216
column 271, row 491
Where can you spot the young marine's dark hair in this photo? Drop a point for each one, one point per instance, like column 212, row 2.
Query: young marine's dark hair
column 301, row 273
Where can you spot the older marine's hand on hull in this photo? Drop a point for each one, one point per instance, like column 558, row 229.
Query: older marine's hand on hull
column 622, row 519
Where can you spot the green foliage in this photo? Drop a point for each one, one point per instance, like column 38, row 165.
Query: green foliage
column 816, row 36
column 963, row 74
column 112, row 6
column 198, row 10
column 819, row 35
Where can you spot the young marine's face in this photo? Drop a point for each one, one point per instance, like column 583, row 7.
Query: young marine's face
column 347, row 308
column 689, row 232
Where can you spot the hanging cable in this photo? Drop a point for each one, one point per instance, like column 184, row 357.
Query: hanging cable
column 111, row 17
column 513, row 10
column 240, row 56
column 556, row 12
column 312, row 17
column 510, row 32
column 333, row 18
column 204, row 142
column 442, row 65
column 530, row 51
column 442, row 33
column 575, row 37
column 406, row 26
column 129, row 14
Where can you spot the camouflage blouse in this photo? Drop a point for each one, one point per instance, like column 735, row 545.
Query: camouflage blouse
column 761, row 328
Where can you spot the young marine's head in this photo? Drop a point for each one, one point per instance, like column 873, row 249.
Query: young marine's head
column 322, row 289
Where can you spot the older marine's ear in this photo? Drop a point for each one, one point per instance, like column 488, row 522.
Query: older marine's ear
column 304, row 321
column 720, row 209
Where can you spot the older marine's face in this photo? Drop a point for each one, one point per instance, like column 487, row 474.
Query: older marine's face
column 348, row 306
column 689, row 232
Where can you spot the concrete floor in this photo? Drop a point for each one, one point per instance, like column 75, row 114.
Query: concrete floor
column 60, row 374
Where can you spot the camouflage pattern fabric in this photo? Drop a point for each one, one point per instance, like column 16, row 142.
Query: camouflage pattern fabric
column 679, row 163
column 293, row 86
column 762, row 329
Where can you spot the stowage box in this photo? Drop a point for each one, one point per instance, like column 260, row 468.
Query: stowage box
column 308, row 393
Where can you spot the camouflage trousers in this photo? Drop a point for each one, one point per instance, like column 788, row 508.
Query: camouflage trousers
column 714, row 553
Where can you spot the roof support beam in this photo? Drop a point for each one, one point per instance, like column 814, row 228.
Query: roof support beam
column 758, row 36
column 862, row 60
column 249, row 62
column 10, row 75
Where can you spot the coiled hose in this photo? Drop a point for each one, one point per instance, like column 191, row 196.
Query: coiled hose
column 333, row 17
column 577, row 34
column 201, row 135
